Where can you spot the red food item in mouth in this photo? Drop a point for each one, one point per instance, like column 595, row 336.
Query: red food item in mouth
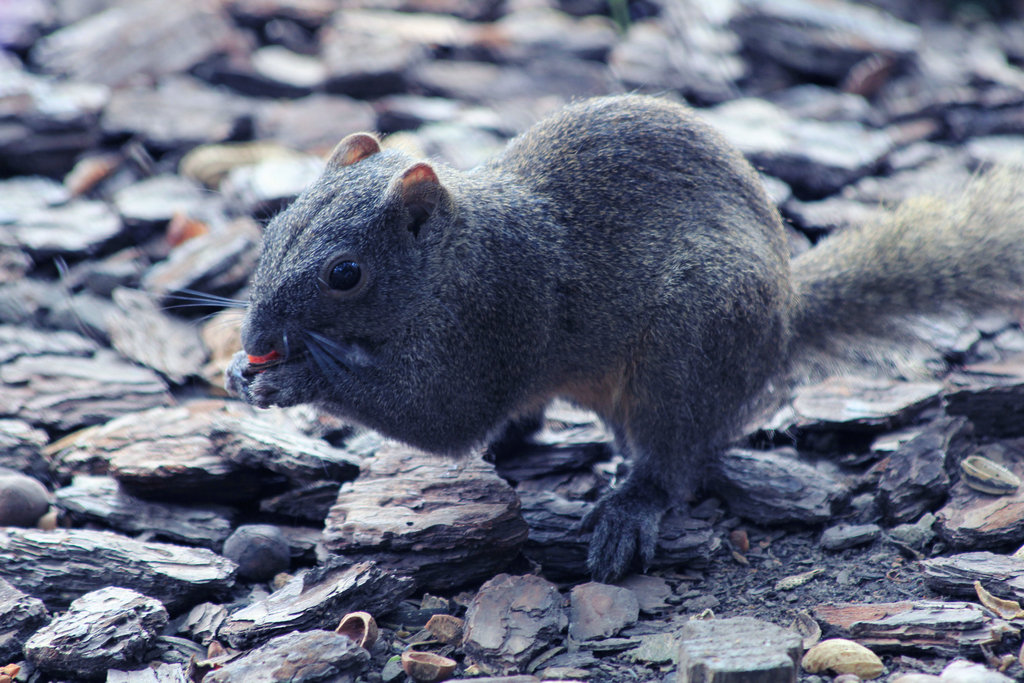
column 263, row 360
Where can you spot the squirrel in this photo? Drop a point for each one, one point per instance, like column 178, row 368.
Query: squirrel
column 620, row 254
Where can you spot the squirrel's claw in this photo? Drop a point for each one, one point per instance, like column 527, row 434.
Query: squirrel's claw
column 242, row 380
column 624, row 535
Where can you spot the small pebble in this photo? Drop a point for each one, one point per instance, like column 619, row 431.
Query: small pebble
column 260, row 550
column 23, row 500
column 849, row 535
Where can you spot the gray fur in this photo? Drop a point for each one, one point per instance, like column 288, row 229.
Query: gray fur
column 619, row 254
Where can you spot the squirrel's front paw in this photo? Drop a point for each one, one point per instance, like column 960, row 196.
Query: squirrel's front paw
column 625, row 530
column 236, row 381
column 253, row 388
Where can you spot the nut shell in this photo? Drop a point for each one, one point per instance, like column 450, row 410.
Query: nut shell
column 841, row 656
column 360, row 627
column 984, row 475
column 446, row 628
column 427, row 667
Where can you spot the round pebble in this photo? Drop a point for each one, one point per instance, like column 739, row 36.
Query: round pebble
column 23, row 500
column 260, row 550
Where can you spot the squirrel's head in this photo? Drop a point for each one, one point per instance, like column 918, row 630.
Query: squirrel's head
column 343, row 267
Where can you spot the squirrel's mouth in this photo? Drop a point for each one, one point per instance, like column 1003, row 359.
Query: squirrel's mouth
column 329, row 355
column 258, row 364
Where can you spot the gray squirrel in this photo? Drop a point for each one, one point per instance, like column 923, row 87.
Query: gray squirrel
column 619, row 254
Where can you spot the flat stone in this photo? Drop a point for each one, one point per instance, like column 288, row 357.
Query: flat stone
column 997, row 150
column 843, row 536
column 316, row 598
column 164, row 39
column 100, row 499
column 316, row 123
column 737, row 649
column 24, row 23
column 143, row 332
column 857, row 404
column 774, row 487
column 167, row 453
column 543, row 33
column 23, row 342
column 652, row 592
column 510, row 620
column 445, row 522
column 365, row 62
column 37, row 562
column 70, row 392
column 481, row 82
column 179, row 113
column 308, row 503
column 913, row 477
column 255, row 443
column 266, row 187
column 409, row 112
column 943, row 176
column 100, row 630
column 808, row 101
column 21, row 615
column 917, row 535
column 101, row 276
column 832, row 214
column 991, row 396
column 315, row 655
column 154, row 673
column 689, row 50
column 817, row 158
column 656, row 648
column 972, row 519
column 281, row 66
column 21, row 446
column 47, row 122
column 597, row 610
column 822, row 38
column 1001, row 575
column 944, row 629
column 202, row 622
column 22, row 194
column 463, row 145
column 155, row 200
column 217, row 263
column 962, row 671
column 76, row 229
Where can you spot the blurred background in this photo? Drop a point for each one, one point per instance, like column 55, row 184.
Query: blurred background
column 144, row 143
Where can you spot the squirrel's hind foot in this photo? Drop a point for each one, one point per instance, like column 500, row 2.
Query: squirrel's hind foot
column 624, row 528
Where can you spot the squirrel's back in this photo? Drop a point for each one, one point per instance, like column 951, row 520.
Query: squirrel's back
column 660, row 220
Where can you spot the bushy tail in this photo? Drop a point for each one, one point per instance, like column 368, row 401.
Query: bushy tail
column 865, row 286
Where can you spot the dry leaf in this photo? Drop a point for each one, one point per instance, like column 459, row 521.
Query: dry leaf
column 1007, row 609
column 788, row 583
column 808, row 629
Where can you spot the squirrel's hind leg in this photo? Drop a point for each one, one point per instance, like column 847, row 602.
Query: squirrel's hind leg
column 669, row 431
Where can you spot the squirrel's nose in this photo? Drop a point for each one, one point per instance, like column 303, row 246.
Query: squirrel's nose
column 263, row 346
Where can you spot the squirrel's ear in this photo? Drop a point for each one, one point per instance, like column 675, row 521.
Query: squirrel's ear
column 421, row 193
column 353, row 148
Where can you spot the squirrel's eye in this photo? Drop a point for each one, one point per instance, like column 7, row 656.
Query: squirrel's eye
column 344, row 275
